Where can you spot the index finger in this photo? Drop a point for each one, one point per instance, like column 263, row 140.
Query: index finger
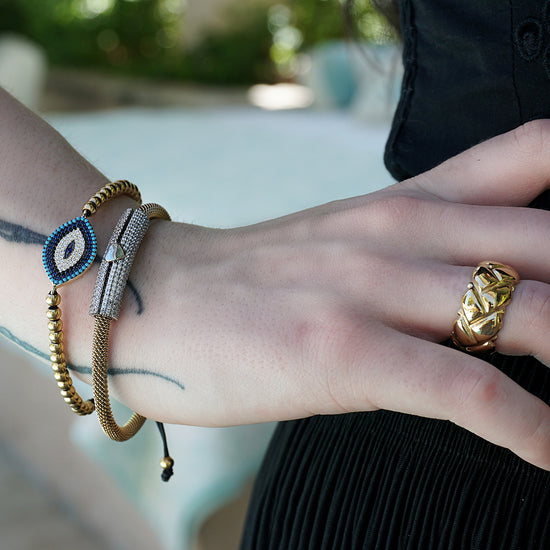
column 508, row 170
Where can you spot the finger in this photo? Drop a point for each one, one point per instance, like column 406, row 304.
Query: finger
column 416, row 377
column 426, row 301
column 526, row 324
column 416, row 297
column 469, row 234
column 510, row 169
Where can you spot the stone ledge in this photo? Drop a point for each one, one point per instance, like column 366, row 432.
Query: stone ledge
column 84, row 90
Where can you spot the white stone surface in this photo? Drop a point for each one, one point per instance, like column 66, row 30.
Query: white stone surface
column 22, row 69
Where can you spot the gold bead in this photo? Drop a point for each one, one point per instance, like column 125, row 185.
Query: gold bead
column 53, row 299
column 62, row 376
column 56, row 348
column 102, row 195
column 55, row 326
column 107, row 191
column 56, row 337
column 167, row 462
column 59, row 367
column 97, row 199
column 89, row 207
column 68, row 393
column 57, row 357
column 53, row 313
column 95, row 202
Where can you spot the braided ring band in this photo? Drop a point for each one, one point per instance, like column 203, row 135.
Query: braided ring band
column 483, row 305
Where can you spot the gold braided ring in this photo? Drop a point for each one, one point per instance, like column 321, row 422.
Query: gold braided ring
column 483, row 305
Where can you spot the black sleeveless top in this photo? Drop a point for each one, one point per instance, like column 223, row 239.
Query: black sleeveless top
column 384, row 480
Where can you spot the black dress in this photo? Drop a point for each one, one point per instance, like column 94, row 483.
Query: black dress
column 384, row 480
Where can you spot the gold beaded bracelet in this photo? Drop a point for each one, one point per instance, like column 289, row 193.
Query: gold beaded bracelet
column 68, row 252
column 105, row 307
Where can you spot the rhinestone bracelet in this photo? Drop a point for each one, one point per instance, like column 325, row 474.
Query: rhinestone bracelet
column 105, row 307
column 68, row 252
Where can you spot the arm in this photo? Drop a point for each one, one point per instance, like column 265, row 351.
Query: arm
column 330, row 310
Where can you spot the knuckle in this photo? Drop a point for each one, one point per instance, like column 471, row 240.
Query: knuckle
column 393, row 211
column 475, row 389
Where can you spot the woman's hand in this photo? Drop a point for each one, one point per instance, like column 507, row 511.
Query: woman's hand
column 334, row 309
column 340, row 308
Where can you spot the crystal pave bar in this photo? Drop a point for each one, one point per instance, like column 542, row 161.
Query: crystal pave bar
column 117, row 262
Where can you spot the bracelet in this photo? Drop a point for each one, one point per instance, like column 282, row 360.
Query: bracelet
column 68, row 252
column 105, row 306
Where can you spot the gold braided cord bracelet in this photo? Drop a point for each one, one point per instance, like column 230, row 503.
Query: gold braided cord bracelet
column 105, row 306
column 68, row 253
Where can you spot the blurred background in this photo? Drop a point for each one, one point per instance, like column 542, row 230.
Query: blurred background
column 229, row 112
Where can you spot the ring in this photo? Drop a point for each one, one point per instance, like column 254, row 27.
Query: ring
column 483, row 305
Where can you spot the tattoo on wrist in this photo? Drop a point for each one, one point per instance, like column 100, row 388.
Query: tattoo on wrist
column 15, row 233
column 87, row 370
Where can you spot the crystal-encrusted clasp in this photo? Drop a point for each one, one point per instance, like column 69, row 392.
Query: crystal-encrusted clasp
column 69, row 251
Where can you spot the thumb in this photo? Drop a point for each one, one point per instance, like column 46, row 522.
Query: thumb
column 508, row 170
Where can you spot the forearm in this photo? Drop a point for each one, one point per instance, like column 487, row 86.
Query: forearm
column 43, row 183
column 155, row 343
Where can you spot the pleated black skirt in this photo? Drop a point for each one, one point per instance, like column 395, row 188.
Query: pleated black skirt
column 385, row 480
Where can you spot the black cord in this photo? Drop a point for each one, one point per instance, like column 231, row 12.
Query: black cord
column 167, row 462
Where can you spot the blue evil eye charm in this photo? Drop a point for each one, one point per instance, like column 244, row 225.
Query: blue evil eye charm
column 69, row 251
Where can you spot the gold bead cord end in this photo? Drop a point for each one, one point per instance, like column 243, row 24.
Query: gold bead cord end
column 167, row 465
column 167, row 462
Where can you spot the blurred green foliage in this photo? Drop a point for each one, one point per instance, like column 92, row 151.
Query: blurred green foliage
column 262, row 42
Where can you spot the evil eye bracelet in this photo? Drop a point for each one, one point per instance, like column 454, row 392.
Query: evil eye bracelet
column 68, row 252
column 105, row 307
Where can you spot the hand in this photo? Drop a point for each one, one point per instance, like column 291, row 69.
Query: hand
column 340, row 308
column 334, row 309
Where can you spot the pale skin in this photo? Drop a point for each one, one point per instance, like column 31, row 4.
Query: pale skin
column 334, row 309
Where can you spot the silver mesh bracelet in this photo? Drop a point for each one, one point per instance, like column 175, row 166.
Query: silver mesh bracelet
column 105, row 307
